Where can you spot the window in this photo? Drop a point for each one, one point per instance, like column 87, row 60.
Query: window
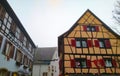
column 24, row 41
column 30, row 46
column 18, row 56
column 27, row 44
column 102, row 43
column 10, row 19
column 13, row 27
column 81, row 43
column 2, row 13
column 108, row 63
column 52, row 74
column 91, row 28
column 30, row 63
column 80, row 63
column 25, row 60
column 5, row 21
column 17, row 33
column 8, row 25
column 3, row 72
column 8, row 50
column 45, row 74
column 21, row 37
column 84, row 43
column 78, row 44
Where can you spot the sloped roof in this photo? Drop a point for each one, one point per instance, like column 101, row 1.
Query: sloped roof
column 44, row 54
column 76, row 23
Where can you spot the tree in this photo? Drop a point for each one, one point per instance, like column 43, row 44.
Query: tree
column 116, row 11
column 116, row 16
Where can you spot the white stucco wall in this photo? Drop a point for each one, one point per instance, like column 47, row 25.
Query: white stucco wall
column 38, row 70
column 55, row 64
column 4, row 63
column 10, row 64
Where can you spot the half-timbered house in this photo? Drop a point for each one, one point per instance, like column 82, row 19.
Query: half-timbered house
column 89, row 48
column 16, row 46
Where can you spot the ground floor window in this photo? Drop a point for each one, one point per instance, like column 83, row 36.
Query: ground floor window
column 3, row 72
column 45, row 74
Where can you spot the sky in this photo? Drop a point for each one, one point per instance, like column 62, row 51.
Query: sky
column 46, row 20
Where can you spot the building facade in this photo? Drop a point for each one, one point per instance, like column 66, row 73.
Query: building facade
column 89, row 48
column 54, row 64
column 46, row 62
column 16, row 46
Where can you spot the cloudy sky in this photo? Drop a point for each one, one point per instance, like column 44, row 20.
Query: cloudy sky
column 45, row 20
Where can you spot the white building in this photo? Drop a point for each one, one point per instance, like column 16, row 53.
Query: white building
column 46, row 62
column 16, row 46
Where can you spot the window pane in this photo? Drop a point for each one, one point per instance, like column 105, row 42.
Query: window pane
column 10, row 19
column 84, row 44
column 83, row 64
column 88, row 28
column 92, row 28
column 107, row 44
column 101, row 44
column 77, row 64
column 5, row 21
column 6, row 15
column 78, row 44
column 108, row 63
column 8, row 25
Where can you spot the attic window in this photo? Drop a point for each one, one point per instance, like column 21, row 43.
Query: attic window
column 91, row 28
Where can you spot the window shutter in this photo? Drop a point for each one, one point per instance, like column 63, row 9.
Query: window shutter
column 13, row 27
column 102, row 63
column 96, row 43
column 11, row 51
column 60, row 74
column 72, row 62
column 114, row 63
column 107, row 44
column 2, row 15
column 21, row 37
column 60, row 64
column 85, row 28
column 89, row 42
column 97, row 28
column 89, row 64
column 73, row 43
column 96, row 63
